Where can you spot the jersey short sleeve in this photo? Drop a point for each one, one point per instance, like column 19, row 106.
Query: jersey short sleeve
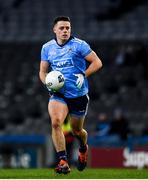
column 85, row 49
column 44, row 54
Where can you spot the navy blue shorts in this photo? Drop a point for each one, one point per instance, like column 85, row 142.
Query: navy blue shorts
column 77, row 106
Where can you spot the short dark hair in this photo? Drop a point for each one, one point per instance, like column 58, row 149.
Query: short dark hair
column 61, row 18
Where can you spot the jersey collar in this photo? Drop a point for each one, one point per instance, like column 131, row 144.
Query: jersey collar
column 61, row 45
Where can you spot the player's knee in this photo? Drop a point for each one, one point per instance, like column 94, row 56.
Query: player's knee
column 56, row 124
column 76, row 132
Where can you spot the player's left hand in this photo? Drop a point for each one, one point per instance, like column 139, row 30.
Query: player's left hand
column 80, row 80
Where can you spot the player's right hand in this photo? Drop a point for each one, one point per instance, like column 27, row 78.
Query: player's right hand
column 50, row 90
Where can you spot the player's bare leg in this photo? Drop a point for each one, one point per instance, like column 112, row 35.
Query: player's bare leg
column 81, row 134
column 58, row 112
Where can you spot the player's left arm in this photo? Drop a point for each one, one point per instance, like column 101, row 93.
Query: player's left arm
column 95, row 63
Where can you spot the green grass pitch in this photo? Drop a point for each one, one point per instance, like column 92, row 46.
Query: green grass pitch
column 86, row 174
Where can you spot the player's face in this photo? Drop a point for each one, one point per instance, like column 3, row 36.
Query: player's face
column 63, row 31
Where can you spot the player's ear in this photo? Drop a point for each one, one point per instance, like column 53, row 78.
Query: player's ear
column 54, row 29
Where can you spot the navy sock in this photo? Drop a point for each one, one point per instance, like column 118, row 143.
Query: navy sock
column 62, row 155
column 83, row 146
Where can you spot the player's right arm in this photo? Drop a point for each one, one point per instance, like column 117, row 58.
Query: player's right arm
column 44, row 67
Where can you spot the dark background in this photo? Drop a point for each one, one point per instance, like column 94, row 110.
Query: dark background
column 118, row 32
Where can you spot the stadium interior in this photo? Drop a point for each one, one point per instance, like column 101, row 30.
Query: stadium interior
column 116, row 29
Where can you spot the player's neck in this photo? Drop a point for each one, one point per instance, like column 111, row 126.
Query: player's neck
column 62, row 42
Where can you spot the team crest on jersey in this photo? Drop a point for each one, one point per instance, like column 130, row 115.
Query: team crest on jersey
column 69, row 50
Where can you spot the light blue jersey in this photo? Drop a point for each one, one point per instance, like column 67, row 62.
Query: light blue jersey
column 68, row 59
